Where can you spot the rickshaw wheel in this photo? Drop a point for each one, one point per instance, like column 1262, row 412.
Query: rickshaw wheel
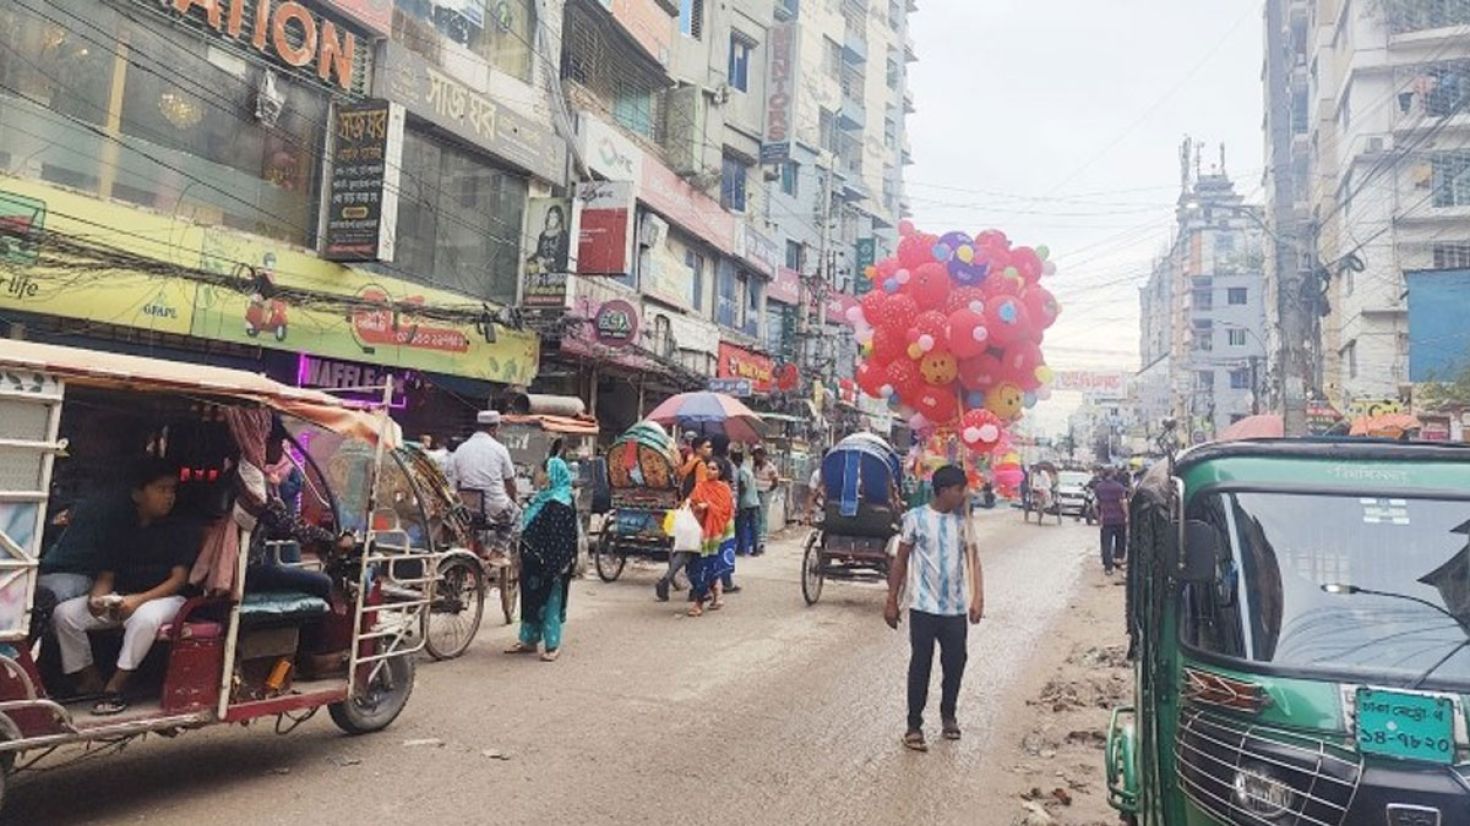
column 811, row 569
column 377, row 707
column 451, row 621
column 510, row 591
column 608, row 561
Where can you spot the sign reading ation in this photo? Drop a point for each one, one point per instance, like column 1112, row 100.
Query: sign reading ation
column 287, row 31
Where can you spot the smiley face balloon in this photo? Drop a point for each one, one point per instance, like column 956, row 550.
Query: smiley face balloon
column 1005, row 400
column 939, row 369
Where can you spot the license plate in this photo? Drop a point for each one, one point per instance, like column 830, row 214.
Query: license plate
column 1406, row 726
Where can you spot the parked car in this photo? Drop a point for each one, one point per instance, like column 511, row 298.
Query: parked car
column 1073, row 495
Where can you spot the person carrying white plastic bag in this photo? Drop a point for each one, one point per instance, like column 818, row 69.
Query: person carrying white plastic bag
column 688, row 536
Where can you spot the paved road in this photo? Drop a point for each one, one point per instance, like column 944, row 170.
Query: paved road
column 767, row 712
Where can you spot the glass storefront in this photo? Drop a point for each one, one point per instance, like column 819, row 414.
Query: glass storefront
column 93, row 100
column 499, row 32
column 459, row 220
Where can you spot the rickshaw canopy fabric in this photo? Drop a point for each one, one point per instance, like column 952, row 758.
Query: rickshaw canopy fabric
column 139, row 374
column 643, row 456
column 708, row 412
column 860, row 468
column 568, row 425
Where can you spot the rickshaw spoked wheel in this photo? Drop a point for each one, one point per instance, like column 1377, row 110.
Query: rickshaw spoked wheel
column 608, row 561
column 811, row 569
column 451, row 621
column 375, row 707
column 510, row 590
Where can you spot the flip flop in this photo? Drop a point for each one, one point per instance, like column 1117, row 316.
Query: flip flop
column 951, row 730
column 550, row 656
column 914, row 741
column 520, row 648
column 110, row 704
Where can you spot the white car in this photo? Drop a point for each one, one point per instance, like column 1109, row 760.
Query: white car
column 1072, row 493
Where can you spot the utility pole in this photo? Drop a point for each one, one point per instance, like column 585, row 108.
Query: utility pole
column 1255, row 386
column 814, row 287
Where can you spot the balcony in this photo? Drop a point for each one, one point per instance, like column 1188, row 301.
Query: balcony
column 1419, row 19
column 913, row 6
column 906, row 150
column 787, row 10
column 908, row 101
column 910, row 52
column 1436, row 96
column 855, row 43
column 854, row 112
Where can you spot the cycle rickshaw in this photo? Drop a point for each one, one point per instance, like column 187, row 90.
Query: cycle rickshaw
column 856, row 536
column 643, row 475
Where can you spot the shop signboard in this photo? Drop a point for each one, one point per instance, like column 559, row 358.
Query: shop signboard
column 438, row 98
column 362, row 208
column 1435, row 428
column 22, row 220
column 867, row 255
column 548, row 221
column 647, row 22
column 664, row 275
column 785, row 287
column 607, row 151
column 289, row 33
column 374, row 15
column 737, row 362
column 673, row 197
column 616, row 323
column 1102, row 384
column 782, row 48
column 1321, row 417
column 757, row 249
column 605, row 228
column 351, row 380
column 739, row 388
column 837, row 306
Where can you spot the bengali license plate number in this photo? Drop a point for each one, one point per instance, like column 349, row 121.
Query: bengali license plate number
column 1406, row 726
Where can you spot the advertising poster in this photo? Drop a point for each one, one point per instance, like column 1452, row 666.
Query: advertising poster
column 549, row 233
column 605, row 232
column 362, row 207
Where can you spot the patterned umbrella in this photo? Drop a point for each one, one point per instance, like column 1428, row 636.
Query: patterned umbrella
column 708, row 413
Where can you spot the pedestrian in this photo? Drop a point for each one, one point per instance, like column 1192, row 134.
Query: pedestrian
column 939, row 564
column 1112, row 512
column 767, row 484
column 548, row 549
column 714, row 504
column 747, row 506
column 434, row 449
column 692, row 471
column 720, row 454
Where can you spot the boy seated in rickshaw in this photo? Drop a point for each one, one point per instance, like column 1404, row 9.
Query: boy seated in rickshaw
column 142, row 571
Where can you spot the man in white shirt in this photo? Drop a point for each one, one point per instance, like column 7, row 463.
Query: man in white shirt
column 483, row 464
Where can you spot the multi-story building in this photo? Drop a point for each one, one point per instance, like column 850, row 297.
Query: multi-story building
column 1382, row 136
column 278, row 186
column 1203, row 311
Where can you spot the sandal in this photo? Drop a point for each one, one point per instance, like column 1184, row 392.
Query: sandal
column 110, row 704
column 521, row 648
column 717, row 605
column 914, row 741
column 550, row 656
column 951, row 730
column 695, row 610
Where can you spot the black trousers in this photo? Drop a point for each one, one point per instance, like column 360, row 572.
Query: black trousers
column 924, row 631
column 1114, row 544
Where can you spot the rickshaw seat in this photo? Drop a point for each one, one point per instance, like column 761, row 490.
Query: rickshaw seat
column 871, row 520
column 266, row 607
column 193, row 630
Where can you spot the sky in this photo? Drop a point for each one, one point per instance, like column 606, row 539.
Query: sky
column 1059, row 122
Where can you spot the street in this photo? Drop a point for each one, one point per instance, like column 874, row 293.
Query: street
column 766, row 712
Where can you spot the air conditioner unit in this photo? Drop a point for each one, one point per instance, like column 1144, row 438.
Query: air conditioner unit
column 652, row 231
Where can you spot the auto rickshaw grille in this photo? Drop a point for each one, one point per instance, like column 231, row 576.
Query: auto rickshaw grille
column 1224, row 764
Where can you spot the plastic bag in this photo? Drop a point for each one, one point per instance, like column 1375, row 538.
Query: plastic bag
column 688, row 533
column 668, row 523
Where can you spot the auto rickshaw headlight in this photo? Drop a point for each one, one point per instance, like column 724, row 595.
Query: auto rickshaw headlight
column 1262, row 794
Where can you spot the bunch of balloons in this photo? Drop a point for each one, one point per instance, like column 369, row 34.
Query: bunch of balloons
column 951, row 332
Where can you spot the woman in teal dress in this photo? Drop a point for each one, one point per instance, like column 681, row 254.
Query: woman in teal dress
column 548, row 551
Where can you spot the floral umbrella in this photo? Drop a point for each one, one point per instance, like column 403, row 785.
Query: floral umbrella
column 707, row 413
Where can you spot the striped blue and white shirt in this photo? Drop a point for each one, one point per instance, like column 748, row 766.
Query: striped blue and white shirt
column 937, row 582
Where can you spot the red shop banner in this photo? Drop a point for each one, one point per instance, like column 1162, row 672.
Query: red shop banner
column 736, row 362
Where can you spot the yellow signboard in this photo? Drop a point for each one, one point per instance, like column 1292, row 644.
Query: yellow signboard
column 247, row 303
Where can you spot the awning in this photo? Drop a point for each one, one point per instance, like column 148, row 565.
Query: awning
column 97, row 368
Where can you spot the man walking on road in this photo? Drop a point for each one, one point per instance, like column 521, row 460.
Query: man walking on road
column 767, row 483
column 1112, row 513
column 939, row 564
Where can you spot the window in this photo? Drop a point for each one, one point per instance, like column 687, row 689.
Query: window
column 832, row 58
column 502, row 35
column 794, row 254
column 691, row 18
column 1204, row 336
column 1451, row 173
column 217, row 165
column 633, row 108
column 790, row 178
column 1299, row 110
column 827, row 130
column 1236, row 295
column 729, row 303
column 775, row 337
column 1203, row 299
column 1237, row 338
column 1204, row 379
column 733, row 173
column 740, row 49
column 695, row 264
column 458, row 220
column 1451, row 256
column 893, row 73
column 754, row 299
column 1240, row 379
column 895, row 15
column 890, row 133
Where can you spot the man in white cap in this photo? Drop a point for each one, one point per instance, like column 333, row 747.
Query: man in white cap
column 483, row 464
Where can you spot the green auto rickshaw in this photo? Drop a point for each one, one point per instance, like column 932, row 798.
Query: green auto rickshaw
column 1299, row 622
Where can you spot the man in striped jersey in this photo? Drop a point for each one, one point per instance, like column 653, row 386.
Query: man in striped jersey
column 939, row 565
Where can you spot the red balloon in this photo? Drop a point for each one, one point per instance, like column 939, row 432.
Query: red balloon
column 914, row 252
column 888, row 345
column 938, row 404
column 873, row 305
column 967, row 334
column 903, row 376
column 871, row 378
column 1007, row 321
column 999, row 284
column 980, row 373
column 1041, row 305
column 899, row 312
column 934, row 324
column 929, row 285
column 981, row 430
column 1027, row 263
column 961, row 298
column 1021, row 360
column 886, row 267
column 992, row 239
